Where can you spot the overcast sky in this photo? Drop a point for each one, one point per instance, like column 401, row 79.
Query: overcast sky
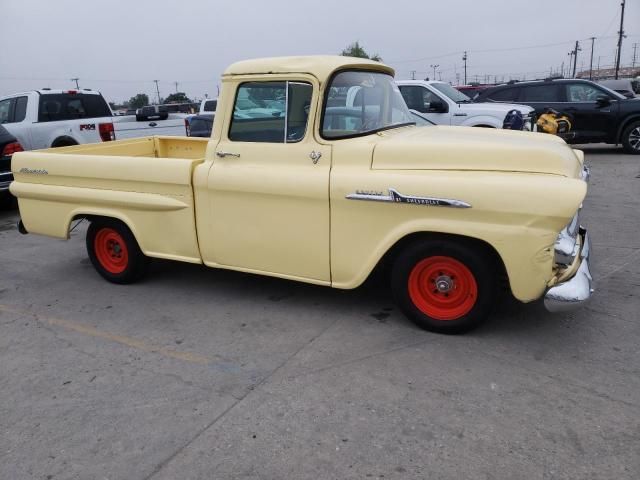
column 120, row 46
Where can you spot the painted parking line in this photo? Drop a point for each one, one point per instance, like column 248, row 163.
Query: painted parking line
column 111, row 337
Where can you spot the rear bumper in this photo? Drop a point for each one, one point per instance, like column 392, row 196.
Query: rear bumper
column 577, row 290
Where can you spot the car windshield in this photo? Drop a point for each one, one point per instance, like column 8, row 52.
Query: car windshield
column 451, row 92
column 360, row 103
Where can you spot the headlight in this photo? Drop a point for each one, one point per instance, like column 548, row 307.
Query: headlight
column 566, row 247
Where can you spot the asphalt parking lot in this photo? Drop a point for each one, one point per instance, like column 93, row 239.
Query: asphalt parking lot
column 204, row 374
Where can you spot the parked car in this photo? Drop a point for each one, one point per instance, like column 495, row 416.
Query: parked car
column 57, row 118
column 597, row 114
column 629, row 87
column 444, row 105
column 208, row 105
column 199, row 125
column 152, row 112
column 8, row 146
column 323, row 192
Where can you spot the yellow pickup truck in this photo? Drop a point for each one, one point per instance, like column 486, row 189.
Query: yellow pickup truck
column 298, row 183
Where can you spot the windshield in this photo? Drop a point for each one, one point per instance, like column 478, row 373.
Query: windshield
column 451, row 92
column 360, row 103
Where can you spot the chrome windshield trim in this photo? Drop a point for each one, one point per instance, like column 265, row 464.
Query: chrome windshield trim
column 396, row 197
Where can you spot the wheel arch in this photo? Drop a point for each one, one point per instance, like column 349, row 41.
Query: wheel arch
column 64, row 141
column 92, row 216
column 623, row 126
column 391, row 254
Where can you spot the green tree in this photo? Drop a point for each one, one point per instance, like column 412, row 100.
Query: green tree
column 356, row 50
column 140, row 100
column 178, row 97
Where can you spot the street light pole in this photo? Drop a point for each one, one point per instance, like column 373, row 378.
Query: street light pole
column 434, row 70
column 76, row 80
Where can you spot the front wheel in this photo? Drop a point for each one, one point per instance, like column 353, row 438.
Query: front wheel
column 114, row 251
column 445, row 286
column 631, row 139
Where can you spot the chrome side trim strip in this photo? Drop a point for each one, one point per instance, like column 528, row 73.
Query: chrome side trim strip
column 396, row 197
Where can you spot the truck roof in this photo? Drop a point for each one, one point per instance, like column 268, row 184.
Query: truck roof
column 320, row 66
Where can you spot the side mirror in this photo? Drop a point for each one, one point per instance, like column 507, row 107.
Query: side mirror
column 603, row 101
column 438, row 106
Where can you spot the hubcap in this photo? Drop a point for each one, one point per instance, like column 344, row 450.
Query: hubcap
column 444, row 283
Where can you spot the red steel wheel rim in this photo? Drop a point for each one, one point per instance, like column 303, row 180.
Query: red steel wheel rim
column 111, row 250
column 442, row 288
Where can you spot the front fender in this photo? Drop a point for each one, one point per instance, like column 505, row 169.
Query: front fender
column 518, row 215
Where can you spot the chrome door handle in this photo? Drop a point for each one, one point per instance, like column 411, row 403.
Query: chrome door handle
column 315, row 156
column 227, row 154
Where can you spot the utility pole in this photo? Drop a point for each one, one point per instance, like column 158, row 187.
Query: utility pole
column 413, row 74
column 434, row 70
column 620, row 35
column 157, row 91
column 464, row 58
column 635, row 47
column 593, row 39
column 575, row 58
column 562, row 70
column 76, row 80
column 176, row 84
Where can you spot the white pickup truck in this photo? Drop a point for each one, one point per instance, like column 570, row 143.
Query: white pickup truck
column 57, row 118
column 444, row 105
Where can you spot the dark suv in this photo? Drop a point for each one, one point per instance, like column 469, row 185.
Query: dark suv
column 598, row 114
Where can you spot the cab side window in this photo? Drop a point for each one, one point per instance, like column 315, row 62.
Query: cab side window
column 504, row 95
column 272, row 112
column 5, row 110
column 418, row 98
column 13, row 110
column 541, row 93
column 578, row 92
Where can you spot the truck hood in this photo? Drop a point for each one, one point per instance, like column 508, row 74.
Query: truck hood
column 474, row 149
column 495, row 109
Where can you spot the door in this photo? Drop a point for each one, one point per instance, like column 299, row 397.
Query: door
column 592, row 121
column 269, row 185
column 423, row 100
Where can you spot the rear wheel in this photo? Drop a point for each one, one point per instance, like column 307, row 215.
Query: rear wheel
column 631, row 139
column 114, row 251
column 445, row 287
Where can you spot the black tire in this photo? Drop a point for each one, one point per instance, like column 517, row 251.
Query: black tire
column 114, row 251
column 463, row 277
column 631, row 138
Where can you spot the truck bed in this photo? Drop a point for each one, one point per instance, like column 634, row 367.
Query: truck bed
column 144, row 182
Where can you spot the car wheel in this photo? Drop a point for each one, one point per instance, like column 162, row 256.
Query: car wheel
column 445, row 286
column 114, row 251
column 631, row 139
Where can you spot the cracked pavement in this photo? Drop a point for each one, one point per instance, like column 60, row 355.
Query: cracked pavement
column 204, row 374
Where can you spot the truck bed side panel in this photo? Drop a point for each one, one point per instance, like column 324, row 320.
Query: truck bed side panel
column 153, row 196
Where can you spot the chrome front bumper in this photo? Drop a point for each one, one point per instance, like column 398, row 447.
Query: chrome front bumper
column 576, row 291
